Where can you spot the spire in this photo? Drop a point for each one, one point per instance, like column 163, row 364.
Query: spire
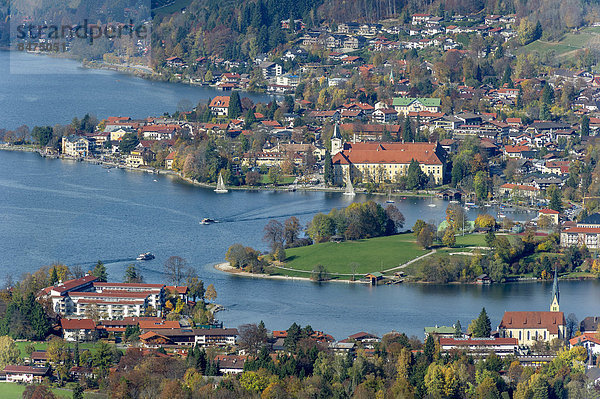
column 392, row 76
column 554, row 306
column 336, row 132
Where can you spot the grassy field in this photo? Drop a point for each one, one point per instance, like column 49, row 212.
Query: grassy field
column 9, row 390
column 41, row 346
column 283, row 180
column 585, row 38
column 372, row 255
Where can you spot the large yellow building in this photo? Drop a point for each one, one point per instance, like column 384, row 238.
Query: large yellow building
column 380, row 162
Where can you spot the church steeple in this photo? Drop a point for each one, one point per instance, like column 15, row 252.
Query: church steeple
column 554, row 306
column 336, row 140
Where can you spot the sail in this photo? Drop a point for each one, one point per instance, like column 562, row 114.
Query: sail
column 220, row 185
column 349, row 187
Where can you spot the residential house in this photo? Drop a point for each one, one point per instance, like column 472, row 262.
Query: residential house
column 589, row 341
column 230, row 364
column 169, row 160
column 25, row 374
column 140, row 157
column 549, row 213
column 384, row 115
column 219, row 105
column 589, row 324
column 175, row 62
column 405, row 105
column 519, row 190
column 78, row 330
column 440, row 331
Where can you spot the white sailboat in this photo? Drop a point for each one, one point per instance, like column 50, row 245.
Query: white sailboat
column 349, row 188
column 220, row 185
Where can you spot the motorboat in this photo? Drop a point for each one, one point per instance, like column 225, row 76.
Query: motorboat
column 208, row 221
column 145, row 256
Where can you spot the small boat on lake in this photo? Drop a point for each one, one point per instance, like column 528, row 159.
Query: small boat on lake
column 145, row 256
column 208, row 221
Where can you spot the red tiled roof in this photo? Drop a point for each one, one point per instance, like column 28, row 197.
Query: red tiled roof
column 180, row 289
column 220, row 101
column 113, row 294
column 513, row 186
column 516, row 148
column 388, row 153
column 156, row 325
column 70, row 284
column 533, row 319
column 549, row 211
column 589, row 230
column 13, row 369
column 129, row 285
column 585, row 337
column 77, row 324
column 280, row 334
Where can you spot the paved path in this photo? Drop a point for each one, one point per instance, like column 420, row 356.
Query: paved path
column 410, row 261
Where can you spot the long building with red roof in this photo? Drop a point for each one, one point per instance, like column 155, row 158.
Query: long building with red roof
column 379, row 162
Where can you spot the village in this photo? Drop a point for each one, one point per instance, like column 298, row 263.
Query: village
column 138, row 319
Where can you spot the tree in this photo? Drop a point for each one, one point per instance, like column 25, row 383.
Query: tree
column 407, row 133
column 480, row 185
column 353, row 268
column 42, row 135
column 425, row 237
column 419, row 225
column 175, row 268
column 274, row 174
column 457, row 329
column 485, row 221
column 235, row 106
column 395, row 219
column 252, row 337
column 449, row 238
column 328, row 168
column 195, row 286
column 252, row 178
column 9, row 353
column 291, row 230
column 585, row 125
column 483, row 326
column 572, row 325
column 77, row 391
column 319, row 273
column 211, row 293
column 53, row 276
column 274, row 234
column 100, row 272
column 555, row 195
column 455, row 216
column 38, row 392
column 321, row 227
column 128, row 142
column 132, row 275
column 415, row 178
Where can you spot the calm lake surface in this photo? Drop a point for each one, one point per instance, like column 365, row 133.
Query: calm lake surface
column 40, row 90
column 77, row 213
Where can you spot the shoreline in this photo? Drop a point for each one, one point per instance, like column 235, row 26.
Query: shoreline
column 226, row 268
column 287, row 188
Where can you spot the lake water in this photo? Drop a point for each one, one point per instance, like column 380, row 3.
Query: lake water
column 77, row 213
column 47, row 91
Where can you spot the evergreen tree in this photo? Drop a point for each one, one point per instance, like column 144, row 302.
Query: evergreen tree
column 415, row 178
column 100, row 272
column 53, row 276
column 328, row 168
column 407, row 133
column 555, row 199
column 76, row 354
column 429, row 349
column 457, row 329
column 483, row 326
column 235, row 106
column 585, row 125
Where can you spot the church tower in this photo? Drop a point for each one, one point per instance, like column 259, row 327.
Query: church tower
column 337, row 144
column 554, row 307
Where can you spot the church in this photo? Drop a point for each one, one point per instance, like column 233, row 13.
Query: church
column 531, row 326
